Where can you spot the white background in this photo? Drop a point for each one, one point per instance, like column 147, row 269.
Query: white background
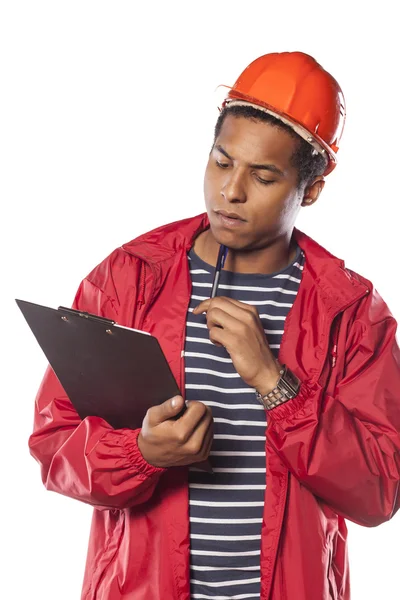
column 107, row 115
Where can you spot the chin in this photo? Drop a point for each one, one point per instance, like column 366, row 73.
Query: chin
column 230, row 239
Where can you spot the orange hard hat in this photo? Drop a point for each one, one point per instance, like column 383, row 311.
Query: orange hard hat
column 294, row 88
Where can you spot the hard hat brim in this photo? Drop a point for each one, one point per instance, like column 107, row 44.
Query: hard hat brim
column 318, row 144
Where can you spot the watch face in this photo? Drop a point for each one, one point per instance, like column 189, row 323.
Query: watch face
column 289, row 384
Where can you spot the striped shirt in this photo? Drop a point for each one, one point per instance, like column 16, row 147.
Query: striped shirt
column 226, row 507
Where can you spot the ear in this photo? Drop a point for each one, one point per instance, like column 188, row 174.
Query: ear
column 312, row 191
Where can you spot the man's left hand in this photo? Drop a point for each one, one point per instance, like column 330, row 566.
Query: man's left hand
column 237, row 327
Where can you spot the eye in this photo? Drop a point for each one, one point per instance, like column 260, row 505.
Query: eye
column 264, row 181
column 221, row 165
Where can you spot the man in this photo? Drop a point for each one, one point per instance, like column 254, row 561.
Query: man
column 291, row 376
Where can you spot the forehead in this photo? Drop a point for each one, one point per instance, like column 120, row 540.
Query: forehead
column 254, row 141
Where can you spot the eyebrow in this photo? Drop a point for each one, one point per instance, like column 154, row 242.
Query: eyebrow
column 267, row 167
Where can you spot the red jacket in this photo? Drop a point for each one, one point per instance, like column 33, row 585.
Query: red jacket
column 332, row 453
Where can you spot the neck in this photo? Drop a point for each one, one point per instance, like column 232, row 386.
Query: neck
column 270, row 259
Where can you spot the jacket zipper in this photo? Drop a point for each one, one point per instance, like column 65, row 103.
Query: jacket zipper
column 142, row 285
column 141, row 302
column 182, row 374
column 334, row 336
column 334, row 355
column 331, row 352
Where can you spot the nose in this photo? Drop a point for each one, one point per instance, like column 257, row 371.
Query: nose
column 233, row 188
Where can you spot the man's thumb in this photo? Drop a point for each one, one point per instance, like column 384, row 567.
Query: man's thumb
column 171, row 408
column 175, row 404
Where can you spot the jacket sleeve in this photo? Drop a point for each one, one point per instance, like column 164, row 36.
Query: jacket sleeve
column 87, row 459
column 345, row 448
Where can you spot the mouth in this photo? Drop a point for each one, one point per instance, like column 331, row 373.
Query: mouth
column 229, row 219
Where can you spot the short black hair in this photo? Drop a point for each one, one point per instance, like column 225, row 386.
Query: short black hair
column 308, row 165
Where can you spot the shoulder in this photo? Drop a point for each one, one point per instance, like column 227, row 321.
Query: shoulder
column 154, row 246
column 167, row 239
column 338, row 281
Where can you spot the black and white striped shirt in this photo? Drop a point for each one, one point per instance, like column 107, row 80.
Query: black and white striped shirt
column 226, row 507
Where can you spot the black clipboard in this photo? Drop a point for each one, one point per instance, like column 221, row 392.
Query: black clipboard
column 107, row 370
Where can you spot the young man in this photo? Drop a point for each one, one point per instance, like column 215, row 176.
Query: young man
column 291, row 376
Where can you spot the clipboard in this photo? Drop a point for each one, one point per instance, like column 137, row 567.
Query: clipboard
column 106, row 369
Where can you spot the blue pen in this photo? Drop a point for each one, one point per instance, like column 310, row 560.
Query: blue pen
column 223, row 251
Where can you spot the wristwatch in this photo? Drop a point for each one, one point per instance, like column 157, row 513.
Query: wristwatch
column 287, row 388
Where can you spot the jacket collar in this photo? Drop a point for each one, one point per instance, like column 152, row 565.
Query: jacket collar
column 337, row 286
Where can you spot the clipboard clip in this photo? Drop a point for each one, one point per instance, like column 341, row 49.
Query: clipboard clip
column 86, row 315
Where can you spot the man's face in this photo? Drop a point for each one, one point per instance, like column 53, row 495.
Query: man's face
column 267, row 198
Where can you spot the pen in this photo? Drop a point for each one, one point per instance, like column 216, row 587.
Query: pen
column 223, row 251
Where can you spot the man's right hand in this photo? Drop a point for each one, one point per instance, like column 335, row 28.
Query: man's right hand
column 166, row 442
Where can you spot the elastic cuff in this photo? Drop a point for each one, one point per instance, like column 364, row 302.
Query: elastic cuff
column 306, row 397
column 139, row 464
